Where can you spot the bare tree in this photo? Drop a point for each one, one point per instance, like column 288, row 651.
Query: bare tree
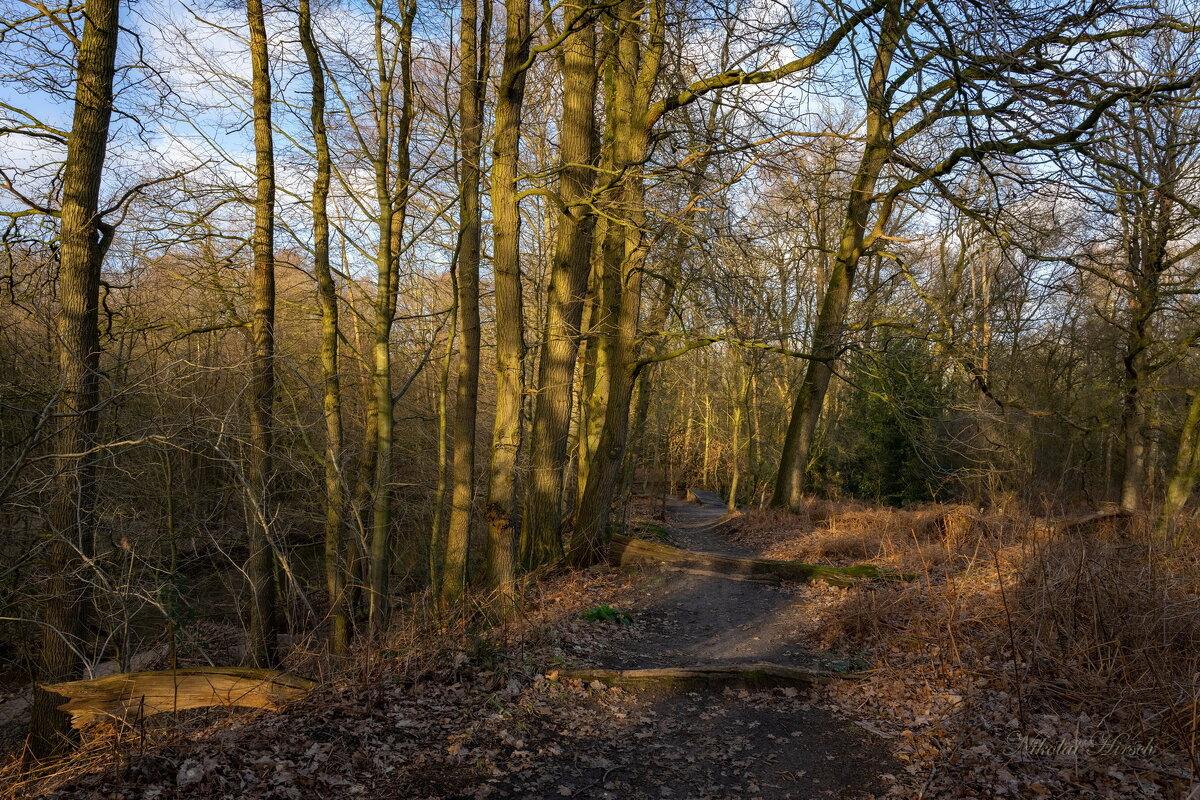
column 84, row 239
column 473, row 58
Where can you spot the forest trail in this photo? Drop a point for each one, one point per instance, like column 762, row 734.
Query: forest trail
column 692, row 618
column 499, row 729
column 734, row 743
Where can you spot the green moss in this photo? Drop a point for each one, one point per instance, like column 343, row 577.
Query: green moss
column 656, row 531
column 605, row 613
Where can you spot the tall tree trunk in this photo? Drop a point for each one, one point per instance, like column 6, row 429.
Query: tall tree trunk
column 260, row 567
column 510, row 339
column 436, row 534
column 380, row 550
column 83, row 241
column 1183, row 473
column 740, row 406
column 790, row 481
column 1133, row 409
column 639, row 52
column 470, row 111
column 391, row 190
column 644, row 386
column 335, row 533
column 541, row 534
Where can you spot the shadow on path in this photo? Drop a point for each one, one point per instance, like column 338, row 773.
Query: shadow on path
column 776, row 745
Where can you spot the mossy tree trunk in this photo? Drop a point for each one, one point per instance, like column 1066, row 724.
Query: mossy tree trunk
column 828, row 334
column 500, row 562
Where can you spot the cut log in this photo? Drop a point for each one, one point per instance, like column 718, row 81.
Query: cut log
column 627, row 551
column 707, row 676
column 133, row 695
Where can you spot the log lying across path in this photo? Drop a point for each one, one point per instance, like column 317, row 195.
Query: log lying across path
column 707, row 676
column 132, row 695
column 627, row 551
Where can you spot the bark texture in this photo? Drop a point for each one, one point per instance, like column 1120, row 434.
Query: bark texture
column 510, row 341
column 829, row 332
column 336, row 539
column 541, row 533
column 462, row 474
column 83, row 241
column 260, row 567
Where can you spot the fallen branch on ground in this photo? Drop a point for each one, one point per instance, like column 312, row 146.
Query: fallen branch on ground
column 132, row 695
column 1071, row 523
column 627, row 551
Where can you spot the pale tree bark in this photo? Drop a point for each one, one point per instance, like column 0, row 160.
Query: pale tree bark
column 541, row 540
column 331, row 405
column 510, row 341
column 436, row 533
column 472, row 58
column 260, row 567
column 740, row 404
column 83, row 240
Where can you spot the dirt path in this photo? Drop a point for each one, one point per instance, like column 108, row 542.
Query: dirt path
column 686, row 618
column 489, row 724
column 726, row 744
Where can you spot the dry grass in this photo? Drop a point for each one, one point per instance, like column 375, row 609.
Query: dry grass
column 1096, row 622
column 422, row 648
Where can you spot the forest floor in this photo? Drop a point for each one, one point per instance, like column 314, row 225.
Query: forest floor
column 938, row 707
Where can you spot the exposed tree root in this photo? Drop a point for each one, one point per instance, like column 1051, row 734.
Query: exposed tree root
column 706, row 676
column 132, row 695
column 627, row 551
column 770, row 580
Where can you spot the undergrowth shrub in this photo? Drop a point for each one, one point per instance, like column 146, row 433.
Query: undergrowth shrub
column 1096, row 618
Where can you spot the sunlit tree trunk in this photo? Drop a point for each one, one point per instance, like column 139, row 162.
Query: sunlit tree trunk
column 790, row 481
column 470, row 120
column 510, row 341
column 541, row 540
column 379, row 557
column 331, row 405
column 639, row 53
column 437, row 527
column 391, row 190
column 644, row 388
column 260, row 568
column 82, row 244
column 740, row 404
